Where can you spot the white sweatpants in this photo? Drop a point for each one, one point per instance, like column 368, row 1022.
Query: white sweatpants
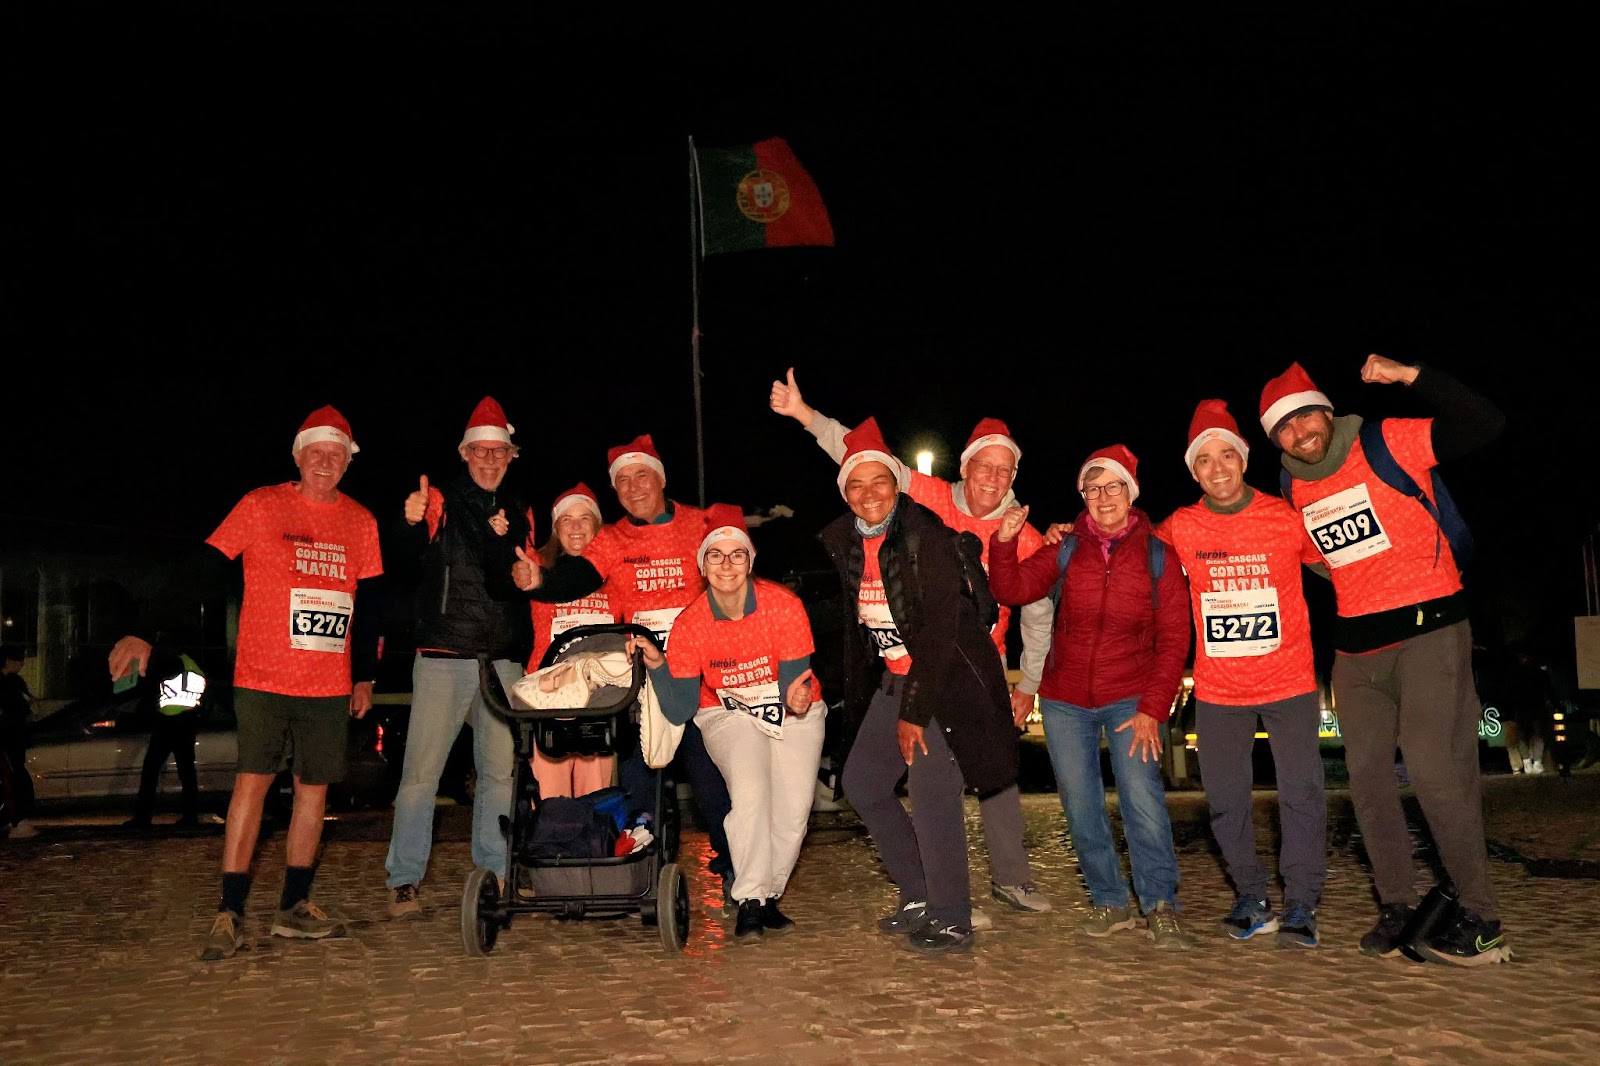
column 771, row 784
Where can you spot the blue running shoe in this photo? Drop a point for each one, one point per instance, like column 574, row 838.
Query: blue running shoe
column 1298, row 929
column 1249, row 917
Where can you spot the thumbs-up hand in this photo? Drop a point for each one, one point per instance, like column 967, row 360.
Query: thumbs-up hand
column 417, row 503
column 525, row 572
column 785, row 399
column 498, row 523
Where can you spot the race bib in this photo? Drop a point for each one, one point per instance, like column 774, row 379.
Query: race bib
column 561, row 623
column 1238, row 624
column 760, row 702
column 319, row 620
column 874, row 614
column 1344, row 527
column 658, row 622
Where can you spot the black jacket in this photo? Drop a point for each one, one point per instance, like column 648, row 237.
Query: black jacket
column 465, row 603
column 955, row 675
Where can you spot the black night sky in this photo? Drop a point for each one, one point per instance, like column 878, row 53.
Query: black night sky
column 224, row 216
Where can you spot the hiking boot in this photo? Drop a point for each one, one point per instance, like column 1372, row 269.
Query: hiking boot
column 1161, row 925
column 1299, row 926
column 306, row 921
column 908, row 919
column 1023, row 897
column 1249, row 917
column 773, row 920
column 1103, row 921
column 941, row 938
column 1383, row 940
column 403, row 903
column 980, row 921
column 748, row 922
column 1467, row 941
column 224, row 938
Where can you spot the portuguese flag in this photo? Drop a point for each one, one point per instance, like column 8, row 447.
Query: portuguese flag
column 757, row 196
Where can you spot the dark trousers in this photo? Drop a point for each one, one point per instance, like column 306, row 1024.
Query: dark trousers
column 174, row 735
column 18, row 785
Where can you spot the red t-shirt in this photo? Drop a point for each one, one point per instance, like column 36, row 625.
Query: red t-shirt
column 1379, row 544
column 872, row 608
column 650, row 571
column 550, row 620
column 1253, row 630
column 301, row 564
column 737, row 659
column 939, row 496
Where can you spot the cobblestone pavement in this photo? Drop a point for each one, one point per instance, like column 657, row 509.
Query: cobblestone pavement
column 101, row 932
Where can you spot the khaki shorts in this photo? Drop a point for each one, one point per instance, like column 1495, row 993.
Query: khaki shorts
column 314, row 731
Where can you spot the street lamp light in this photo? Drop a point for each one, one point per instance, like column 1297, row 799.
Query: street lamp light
column 925, row 462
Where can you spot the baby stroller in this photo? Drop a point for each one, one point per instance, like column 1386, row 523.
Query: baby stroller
column 647, row 881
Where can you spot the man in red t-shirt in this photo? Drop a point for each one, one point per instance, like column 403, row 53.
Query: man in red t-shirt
column 1402, row 670
column 307, row 551
column 1243, row 552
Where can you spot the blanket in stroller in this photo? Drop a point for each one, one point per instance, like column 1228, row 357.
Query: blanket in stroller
column 580, row 681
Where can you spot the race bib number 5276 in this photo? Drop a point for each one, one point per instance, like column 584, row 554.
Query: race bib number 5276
column 319, row 620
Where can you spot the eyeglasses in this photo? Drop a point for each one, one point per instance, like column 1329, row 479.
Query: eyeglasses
column 479, row 452
column 1092, row 492
column 988, row 469
column 738, row 557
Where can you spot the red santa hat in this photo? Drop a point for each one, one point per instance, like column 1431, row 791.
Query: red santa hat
column 638, row 450
column 1120, row 461
column 580, row 495
column 727, row 523
column 488, row 422
column 1288, row 394
column 990, row 431
column 864, row 444
column 1211, row 422
column 324, row 423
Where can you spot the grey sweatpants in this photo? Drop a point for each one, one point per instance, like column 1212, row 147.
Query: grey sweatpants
column 1226, row 736
column 925, row 850
column 1419, row 696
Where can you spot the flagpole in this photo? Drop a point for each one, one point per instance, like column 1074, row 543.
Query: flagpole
column 694, row 333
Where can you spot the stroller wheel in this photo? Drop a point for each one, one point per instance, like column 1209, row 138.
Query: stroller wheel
column 672, row 907
column 480, row 912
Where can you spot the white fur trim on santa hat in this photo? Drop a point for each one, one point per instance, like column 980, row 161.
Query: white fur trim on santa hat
column 724, row 533
column 984, row 441
column 576, row 499
column 637, row 458
column 1117, row 469
column 500, row 434
column 867, row 455
column 1206, row 436
column 1285, row 406
column 314, row 434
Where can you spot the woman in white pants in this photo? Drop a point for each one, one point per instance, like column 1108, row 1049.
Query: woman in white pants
column 740, row 666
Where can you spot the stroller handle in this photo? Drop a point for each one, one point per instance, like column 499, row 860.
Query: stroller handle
column 499, row 701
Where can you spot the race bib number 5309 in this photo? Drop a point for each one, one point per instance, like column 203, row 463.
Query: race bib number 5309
column 1345, row 527
column 319, row 620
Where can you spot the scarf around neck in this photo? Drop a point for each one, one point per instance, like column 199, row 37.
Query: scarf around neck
column 1345, row 428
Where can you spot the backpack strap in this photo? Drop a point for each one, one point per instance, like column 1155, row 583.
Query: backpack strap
column 1157, row 563
column 1447, row 520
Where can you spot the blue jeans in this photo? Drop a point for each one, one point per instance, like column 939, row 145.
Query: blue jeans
column 1073, row 736
column 444, row 696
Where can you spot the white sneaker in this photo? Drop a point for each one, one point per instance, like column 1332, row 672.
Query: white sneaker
column 23, row 831
column 1538, row 767
column 1527, row 766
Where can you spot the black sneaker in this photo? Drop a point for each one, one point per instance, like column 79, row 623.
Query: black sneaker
column 1467, row 941
column 941, row 938
column 1298, row 928
column 1383, row 940
column 908, row 919
column 773, row 920
column 748, row 922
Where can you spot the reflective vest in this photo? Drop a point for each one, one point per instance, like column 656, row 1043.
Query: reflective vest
column 182, row 691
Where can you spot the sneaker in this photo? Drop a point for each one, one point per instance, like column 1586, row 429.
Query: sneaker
column 1538, row 767
column 306, row 921
column 403, row 903
column 1383, row 940
column 907, row 919
column 980, row 921
column 23, row 831
column 1249, row 917
column 1467, row 941
column 1299, row 927
column 224, row 938
column 748, row 922
column 773, row 920
column 1161, row 925
column 941, row 938
column 1023, row 897
column 1103, row 921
